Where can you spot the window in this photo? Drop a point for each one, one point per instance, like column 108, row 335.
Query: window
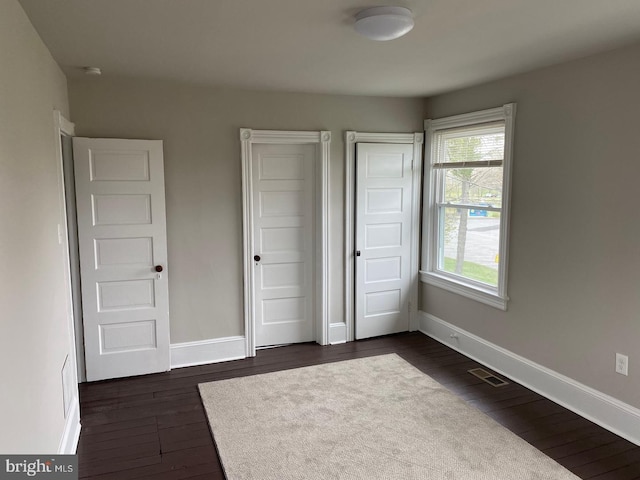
column 466, row 204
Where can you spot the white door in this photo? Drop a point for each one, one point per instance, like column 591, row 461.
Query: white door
column 383, row 238
column 283, row 243
column 122, row 243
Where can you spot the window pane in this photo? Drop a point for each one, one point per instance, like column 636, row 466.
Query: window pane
column 469, row 244
column 477, row 186
column 471, row 144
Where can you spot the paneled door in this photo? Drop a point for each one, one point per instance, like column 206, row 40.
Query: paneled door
column 123, row 256
column 383, row 238
column 283, row 243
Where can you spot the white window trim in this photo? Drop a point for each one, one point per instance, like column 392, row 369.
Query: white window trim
column 428, row 274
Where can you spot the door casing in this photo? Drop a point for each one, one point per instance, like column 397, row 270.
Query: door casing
column 322, row 140
column 351, row 139
column 74, row 371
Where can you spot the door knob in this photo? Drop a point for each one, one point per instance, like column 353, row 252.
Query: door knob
column 158, row 268
column 256, row 258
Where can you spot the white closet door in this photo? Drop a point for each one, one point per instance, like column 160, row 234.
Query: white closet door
column 283, row 244
column 122, row 242
column 383, row 238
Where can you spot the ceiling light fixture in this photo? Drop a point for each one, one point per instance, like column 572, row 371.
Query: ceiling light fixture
column 92, row 71
column 384, row 23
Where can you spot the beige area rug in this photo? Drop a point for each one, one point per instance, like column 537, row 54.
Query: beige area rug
column 365, row 419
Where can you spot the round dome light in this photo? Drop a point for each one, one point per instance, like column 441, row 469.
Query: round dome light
column 384, row 23
column 92, row 71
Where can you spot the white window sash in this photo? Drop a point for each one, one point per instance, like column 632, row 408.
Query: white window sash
column 469, row 206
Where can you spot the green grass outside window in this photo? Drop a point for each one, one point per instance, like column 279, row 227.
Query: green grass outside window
column 473, row 271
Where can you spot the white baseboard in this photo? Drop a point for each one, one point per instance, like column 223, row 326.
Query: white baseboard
column 71, row 434
column 600, row 408
column 337, row 333
column 202, row 352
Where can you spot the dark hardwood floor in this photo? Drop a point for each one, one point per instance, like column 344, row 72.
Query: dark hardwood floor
column 154, row 426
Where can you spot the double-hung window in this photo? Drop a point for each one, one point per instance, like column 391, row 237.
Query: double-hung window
column 466, row 209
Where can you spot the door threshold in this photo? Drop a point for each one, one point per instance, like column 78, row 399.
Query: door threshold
column 267, row 347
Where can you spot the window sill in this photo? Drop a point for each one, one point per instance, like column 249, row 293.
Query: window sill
column 483, row 296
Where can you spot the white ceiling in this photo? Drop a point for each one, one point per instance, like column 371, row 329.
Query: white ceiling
column 311, row 46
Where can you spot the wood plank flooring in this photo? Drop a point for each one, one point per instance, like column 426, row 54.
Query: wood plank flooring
column 154, row 426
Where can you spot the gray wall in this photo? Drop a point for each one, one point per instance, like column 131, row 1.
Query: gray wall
column 200, row 129
column 574, row 273
column 34, row 297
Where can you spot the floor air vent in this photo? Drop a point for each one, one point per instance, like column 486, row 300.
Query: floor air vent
column 490, row 378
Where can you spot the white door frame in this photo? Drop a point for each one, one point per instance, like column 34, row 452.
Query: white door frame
column 65, row 128
column 350, row 140
column 322, row 139
column 71, row 434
